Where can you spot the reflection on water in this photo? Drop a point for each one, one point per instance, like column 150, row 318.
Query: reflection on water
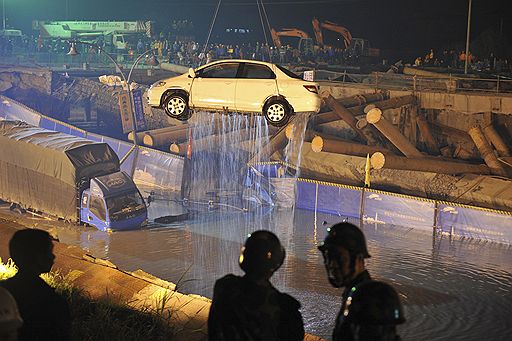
column 450, row 289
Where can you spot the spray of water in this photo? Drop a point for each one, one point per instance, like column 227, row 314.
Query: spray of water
column 293, row 149
column 222, row 145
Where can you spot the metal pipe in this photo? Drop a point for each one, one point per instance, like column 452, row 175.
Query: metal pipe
column 375, row 117
column 467, row 38
column 486, row 151
column 379, row 160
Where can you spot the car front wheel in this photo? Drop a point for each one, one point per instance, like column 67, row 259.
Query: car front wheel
column 277, row 112
column 176, row 106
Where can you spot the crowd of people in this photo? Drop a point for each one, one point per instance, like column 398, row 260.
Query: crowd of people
column 192, row 53
column 243, row 308
column 184, row 50
column 457, row 60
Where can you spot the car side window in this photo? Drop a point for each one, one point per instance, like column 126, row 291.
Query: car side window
column 257, row 71
column 222, row 70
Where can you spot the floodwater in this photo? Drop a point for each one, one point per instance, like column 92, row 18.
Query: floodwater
column 451, row 289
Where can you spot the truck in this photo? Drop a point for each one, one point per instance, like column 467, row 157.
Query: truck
column 120, row 35
column 67, row 177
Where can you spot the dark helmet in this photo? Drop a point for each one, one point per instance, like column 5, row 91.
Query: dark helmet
column 348, row 236
column 373, row 303
column 261, row 254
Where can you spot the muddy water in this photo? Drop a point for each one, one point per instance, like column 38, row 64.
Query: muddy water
column 457, row 290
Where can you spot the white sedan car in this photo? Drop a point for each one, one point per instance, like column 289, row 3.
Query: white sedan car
column 237, row 86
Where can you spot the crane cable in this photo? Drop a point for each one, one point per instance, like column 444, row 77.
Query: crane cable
column 211, row 29
column 266, row 17
column 263, row 27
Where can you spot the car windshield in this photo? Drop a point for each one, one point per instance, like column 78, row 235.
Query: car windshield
column 120, row 207
column 288, row 72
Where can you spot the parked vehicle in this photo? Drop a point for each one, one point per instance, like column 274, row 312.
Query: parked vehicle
column 67, row 177
column 236, row 85
column 118, row 35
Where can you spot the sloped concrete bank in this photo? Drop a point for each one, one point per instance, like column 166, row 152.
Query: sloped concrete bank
column 100, row 278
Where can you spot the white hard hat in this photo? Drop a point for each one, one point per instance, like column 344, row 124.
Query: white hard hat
column 10, row 318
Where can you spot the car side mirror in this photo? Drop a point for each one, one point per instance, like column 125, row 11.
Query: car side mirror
column 191, row 73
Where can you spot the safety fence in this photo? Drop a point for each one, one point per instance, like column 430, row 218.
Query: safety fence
column 379, row 207
column 151, row 169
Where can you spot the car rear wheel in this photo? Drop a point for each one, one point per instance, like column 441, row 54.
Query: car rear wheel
column 176, row 106
column 277, row 112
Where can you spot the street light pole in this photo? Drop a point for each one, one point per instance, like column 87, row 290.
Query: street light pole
column 3, row 14
column 467, row 38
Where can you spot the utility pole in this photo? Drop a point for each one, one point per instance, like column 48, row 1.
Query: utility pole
column 3, row 15
column 467, row 38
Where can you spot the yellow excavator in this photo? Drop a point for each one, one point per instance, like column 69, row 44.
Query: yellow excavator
column 328, row 25
column 305, row 42
column 359, row 46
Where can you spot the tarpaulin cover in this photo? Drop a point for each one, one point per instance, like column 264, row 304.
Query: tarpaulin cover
column 391, row 209
column 269, row 170
column 474, row 223
column 336, row 200
column 158, row 170
column 13, row 111
column 306, row 195
column 40, row 168
column 54, row 125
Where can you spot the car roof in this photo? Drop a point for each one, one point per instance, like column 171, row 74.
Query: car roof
column 237, row 61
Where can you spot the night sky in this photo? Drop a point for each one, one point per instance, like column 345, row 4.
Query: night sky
column 393, row 24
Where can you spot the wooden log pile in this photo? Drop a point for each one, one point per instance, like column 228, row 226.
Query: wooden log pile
column 385, row 141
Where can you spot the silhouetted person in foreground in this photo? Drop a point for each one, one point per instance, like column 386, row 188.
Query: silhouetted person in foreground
column 249, row 308
column 372, row 312
column 344, row 251
column 10, row 319
column 45, row 313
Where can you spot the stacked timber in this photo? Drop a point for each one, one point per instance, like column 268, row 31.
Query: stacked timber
column 379, row 160
column 413, row 158
column 165, row 136
column 279, row 140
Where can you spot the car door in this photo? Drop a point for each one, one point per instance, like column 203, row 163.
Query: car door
column 214, row 87
column 255, row 83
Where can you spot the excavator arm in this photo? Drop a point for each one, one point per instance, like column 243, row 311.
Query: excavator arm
column 318, row 32
column 287, row 32
column 328, row 25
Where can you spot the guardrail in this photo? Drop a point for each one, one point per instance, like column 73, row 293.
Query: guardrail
column 449, row 83
column 81, row 61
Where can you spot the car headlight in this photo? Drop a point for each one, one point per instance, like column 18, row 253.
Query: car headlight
column 158, row 84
